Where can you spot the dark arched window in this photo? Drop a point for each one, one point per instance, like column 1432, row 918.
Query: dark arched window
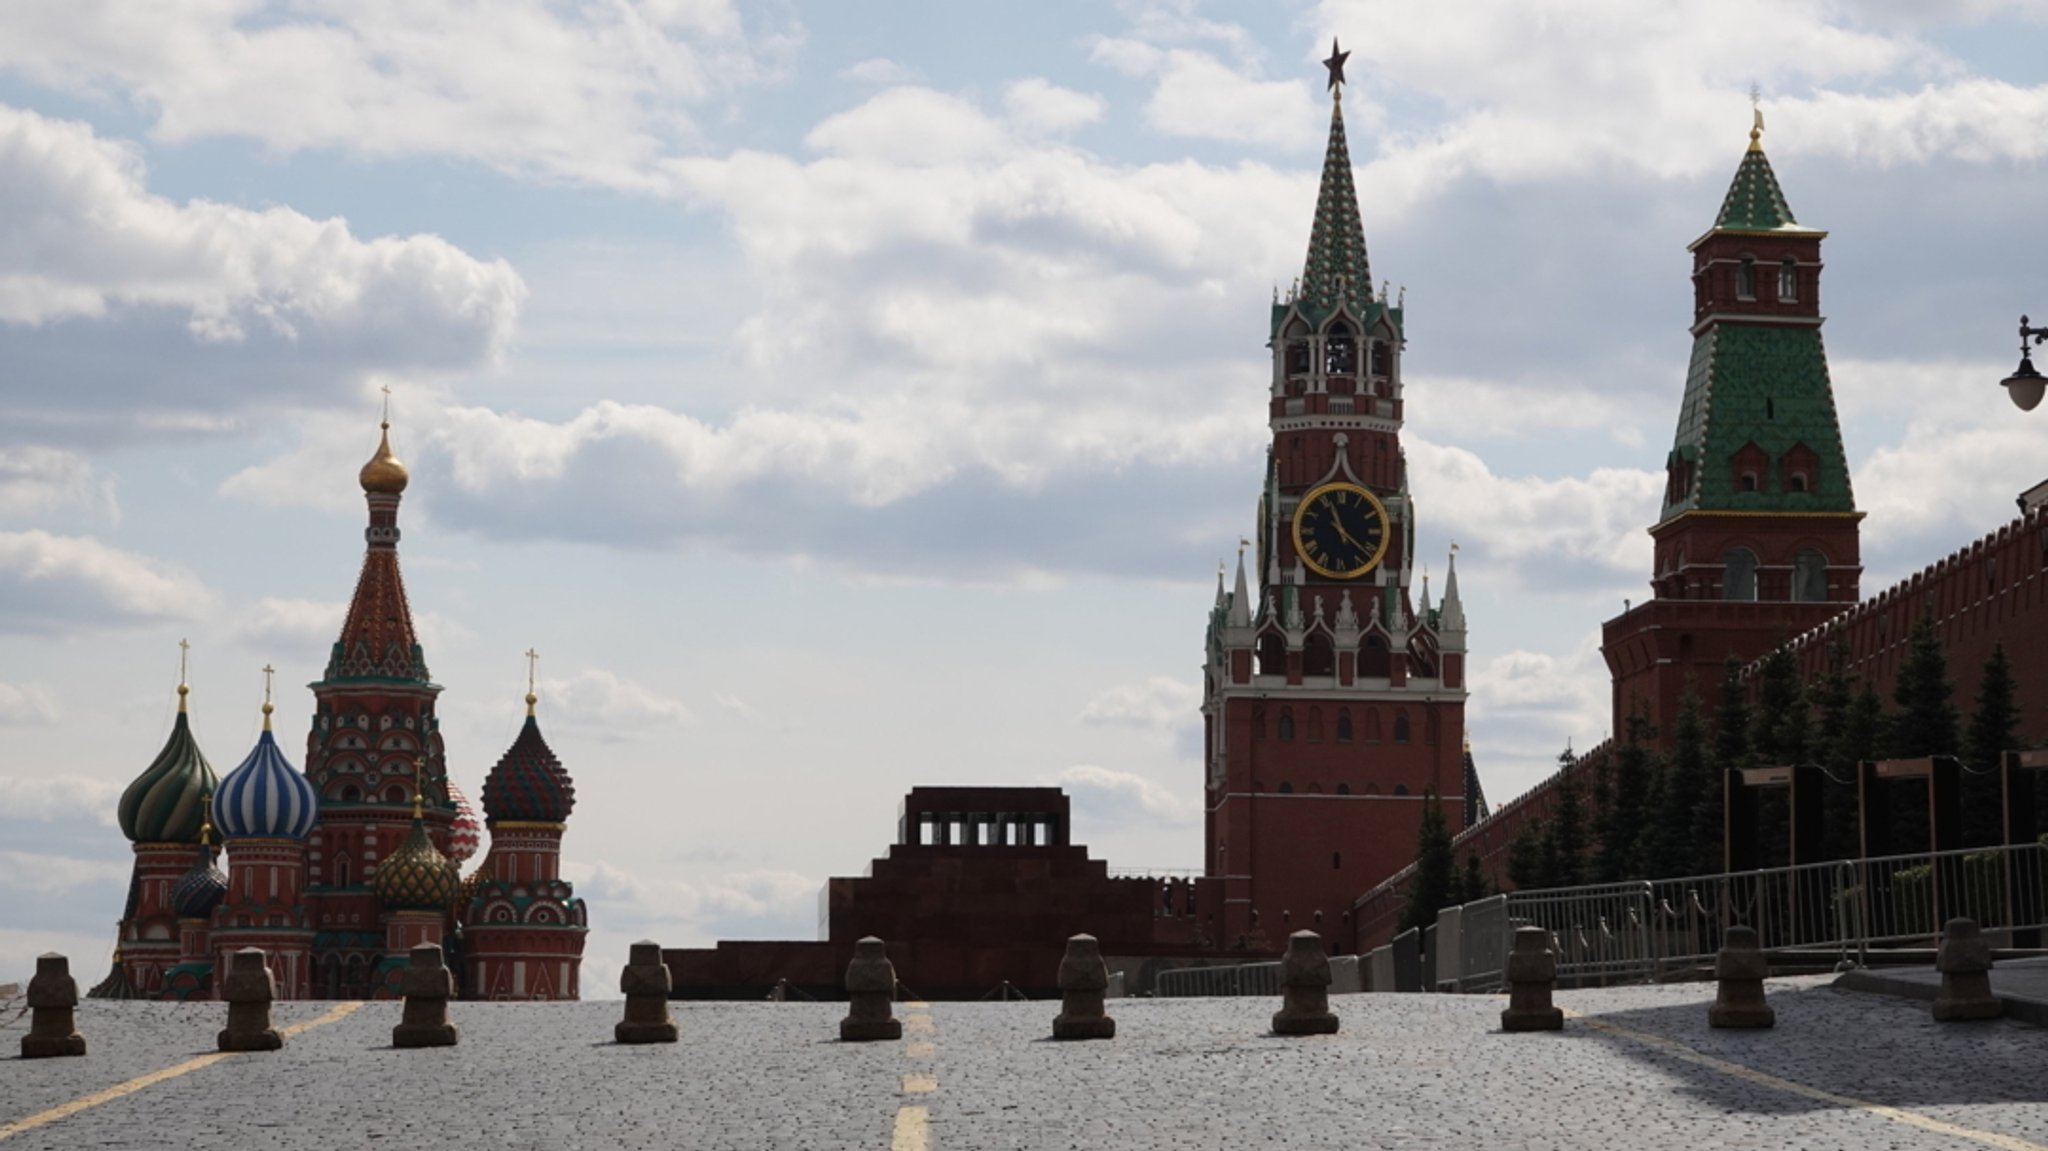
column 1401, row 726
column 1336, row 861
column 1788, row 280
column 1340, row 349
column 1400, row 789
column 1286, row 724
column 1809, row 576
column 1343, row 789
column 1286, row 788
column 1738, row 574
column 1343, row 725
column 1745, row 279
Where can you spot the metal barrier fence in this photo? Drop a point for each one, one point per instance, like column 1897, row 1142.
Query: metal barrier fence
column 1625, row 932
column 1243, row 979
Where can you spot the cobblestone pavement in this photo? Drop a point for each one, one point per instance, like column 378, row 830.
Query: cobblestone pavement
column 1635, row 1068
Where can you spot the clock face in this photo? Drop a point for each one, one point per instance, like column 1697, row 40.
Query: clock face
column 1340, row 531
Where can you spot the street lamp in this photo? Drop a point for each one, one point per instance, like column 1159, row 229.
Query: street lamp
column 2025, row 384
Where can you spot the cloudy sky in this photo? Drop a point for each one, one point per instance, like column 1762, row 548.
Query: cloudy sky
column 846, row 397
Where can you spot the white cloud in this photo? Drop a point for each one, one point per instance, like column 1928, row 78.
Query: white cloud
column 582, row 92
column 1198, row 95
column 879, row 71
column 26, row 705
column 60, row 798
column 1037, row 105
column 609, row 705
column 40, row 481
column 1159, row 703
column 296, row 624
column 1106, row 797
column 53, row 583
column 1540, row 531
column 232, row 290
column 54, row 873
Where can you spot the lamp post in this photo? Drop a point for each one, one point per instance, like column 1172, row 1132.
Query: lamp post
column 2025, row 385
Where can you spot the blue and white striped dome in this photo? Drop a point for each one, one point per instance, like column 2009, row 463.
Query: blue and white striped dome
column 265, row 798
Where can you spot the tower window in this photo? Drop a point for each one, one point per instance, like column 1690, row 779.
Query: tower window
column 1401, row 727
column 1400, row 789
column 1788, row 280
column 1286, row 788
column 1745, row 279
column 1340, row 350
column 1344, row 725
column 1749, row 481
column 1336, row 861
column 1738, row 575
column 1286, row 725
column 1343, row 789
column 1798, row 482
column 1809, row 576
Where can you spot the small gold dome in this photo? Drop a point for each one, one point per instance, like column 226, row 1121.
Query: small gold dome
column 384, row 473
column 416, row 877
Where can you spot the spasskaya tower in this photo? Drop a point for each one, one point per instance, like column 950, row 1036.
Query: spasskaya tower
column 1334, row 695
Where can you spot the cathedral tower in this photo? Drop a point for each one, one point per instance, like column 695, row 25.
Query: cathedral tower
column 374, row 745
column 1757, row 539
column 1334, row 697
column 162, row 813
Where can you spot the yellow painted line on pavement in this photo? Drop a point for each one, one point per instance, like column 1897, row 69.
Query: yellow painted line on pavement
column 918, row 1050
column 119, row 1090
column 915, row 1005
column 918, row 1024
column 1680, row 1051
column 915, row 1084
column 912, row 1130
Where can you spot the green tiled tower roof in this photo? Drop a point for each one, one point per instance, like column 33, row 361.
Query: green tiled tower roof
column 1769, row 386
column 1337, row 267
column 1755, row 202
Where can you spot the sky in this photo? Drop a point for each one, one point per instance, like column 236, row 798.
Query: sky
column 842, row 398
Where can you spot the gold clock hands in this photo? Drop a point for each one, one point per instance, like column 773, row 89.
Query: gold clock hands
column 1346, row 536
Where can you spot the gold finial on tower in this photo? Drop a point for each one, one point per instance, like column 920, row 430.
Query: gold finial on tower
column 184, row 689
column 206, row 819
column 1756, row 126
column 532, row 669
column 268, row 671
column 384, row 473
column 419, row 787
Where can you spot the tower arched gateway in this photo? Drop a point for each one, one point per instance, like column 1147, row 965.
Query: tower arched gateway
column 1308, row 807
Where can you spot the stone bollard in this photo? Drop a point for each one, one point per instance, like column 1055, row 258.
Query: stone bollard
column 870, row 984
column 647, row 984
column 249, row 989
column 780, row 992
column 1304, row 988
column 53, row 1007
column 1740, row 969
column 1084, row 977
column 1965, row 965
column 428, row 985
column 1532, row 974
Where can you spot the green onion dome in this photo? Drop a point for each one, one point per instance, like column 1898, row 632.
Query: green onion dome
column 416, row 877
column 167, row 802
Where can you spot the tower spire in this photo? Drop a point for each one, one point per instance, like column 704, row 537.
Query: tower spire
column 1337, row 267
column 377, row 638
column 184, row 688
column 533, row 670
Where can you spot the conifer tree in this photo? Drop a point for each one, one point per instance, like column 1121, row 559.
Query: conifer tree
column 1778, row 736
column 1622, row 811
column 1567, row 839
column 1678, row 847
column 1838, row 753
column 1924, row 725
column 1731, row 721
column 1525, row 856
column 1993, row 729
column 1434, row 867
column 1476, row 885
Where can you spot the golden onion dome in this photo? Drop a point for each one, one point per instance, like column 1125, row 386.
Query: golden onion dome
column 416, row 877
column 472, row 886
column 384, row 473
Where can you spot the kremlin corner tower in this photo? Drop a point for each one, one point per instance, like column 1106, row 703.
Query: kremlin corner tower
column 338, row 871
column 1334, row 691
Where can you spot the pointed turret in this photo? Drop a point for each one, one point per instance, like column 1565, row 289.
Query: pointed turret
column 1754, row 202
column 377, row 639
column 1240, row 597
column 1452, row 615
column 1337, row 269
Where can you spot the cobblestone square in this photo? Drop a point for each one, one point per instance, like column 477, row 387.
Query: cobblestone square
column 1635, row 1067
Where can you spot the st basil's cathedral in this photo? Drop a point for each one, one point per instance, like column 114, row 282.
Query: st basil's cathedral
column 339, row 870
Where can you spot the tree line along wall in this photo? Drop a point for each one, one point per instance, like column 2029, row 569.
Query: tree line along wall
column 1993, row 591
